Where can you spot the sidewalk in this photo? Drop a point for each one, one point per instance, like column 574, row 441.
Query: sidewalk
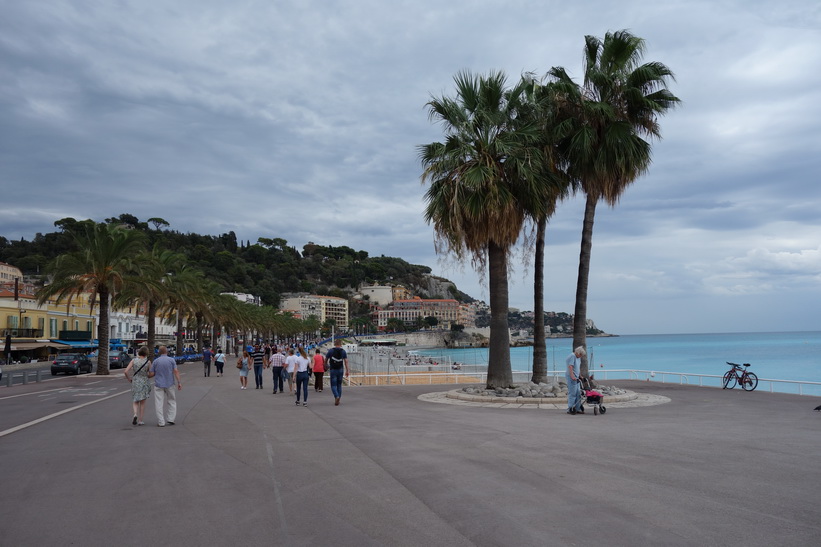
column 710, row 467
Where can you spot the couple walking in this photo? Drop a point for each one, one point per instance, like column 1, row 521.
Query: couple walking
column 166, row 378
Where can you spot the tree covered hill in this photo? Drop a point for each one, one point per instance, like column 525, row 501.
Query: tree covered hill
column 267, row 268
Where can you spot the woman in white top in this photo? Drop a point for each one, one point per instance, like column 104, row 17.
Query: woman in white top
column 290, row 369
column 302, row 376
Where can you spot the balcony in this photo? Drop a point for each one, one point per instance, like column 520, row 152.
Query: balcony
column 24, row 333
column 75, row 335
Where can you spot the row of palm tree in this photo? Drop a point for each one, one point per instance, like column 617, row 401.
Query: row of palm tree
column 112, row 265
column 511, row 154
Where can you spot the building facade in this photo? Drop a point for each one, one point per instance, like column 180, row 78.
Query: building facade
column 410, row 311
column 321, row 307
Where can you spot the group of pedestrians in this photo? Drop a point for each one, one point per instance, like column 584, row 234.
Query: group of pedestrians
column 292, row 365
column 219, row 361
column 166, row 378
column 295, row 369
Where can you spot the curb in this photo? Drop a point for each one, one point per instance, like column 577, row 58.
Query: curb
column 462, row 396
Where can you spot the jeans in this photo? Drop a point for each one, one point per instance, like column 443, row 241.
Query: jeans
column 336, row 381
column 160, row 394
column 574, row 395
column 219, row 365
column 258, row 375
column 207, row 365
column 278, row 384
column 302, row 383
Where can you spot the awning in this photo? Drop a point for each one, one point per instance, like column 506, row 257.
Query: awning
column 23, row 346
column 76, row 345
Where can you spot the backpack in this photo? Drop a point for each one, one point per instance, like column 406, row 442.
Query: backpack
column 336, row 361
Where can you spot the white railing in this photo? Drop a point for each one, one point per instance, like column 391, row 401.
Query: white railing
column 479, row 377
column 800, row 387
column 427, row 378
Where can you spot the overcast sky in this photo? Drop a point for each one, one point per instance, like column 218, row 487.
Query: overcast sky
column 301, row 120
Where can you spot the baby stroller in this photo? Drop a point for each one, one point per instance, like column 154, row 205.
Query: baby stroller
column 591, row 397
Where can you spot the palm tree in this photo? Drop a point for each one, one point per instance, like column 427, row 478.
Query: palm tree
column 557, row 184
column 150, row 284
column 180, row 302
column 99, row 266
column 607, row 119
column 482, row 184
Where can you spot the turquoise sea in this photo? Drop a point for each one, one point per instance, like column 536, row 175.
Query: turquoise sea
column 773, row 355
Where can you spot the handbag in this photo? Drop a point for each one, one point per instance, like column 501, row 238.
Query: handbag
column 239, row 363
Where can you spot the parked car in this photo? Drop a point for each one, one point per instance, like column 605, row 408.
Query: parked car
column 71, row 363
column 118, row 359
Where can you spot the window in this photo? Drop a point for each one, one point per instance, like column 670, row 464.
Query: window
column 52, row 328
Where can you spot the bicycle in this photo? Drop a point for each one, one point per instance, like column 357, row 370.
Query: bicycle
column 741, row 376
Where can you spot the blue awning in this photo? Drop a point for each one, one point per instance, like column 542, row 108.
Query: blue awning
column 77, row 344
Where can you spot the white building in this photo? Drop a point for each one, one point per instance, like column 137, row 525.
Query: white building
column 247, row 298
column 381, row 295
column 322, row 307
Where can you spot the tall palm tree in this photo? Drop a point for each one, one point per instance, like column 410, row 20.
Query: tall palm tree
column 150, row 284
column 557, row 185
column 482, row 183
column 180, row 302
column 607, row 120
column 99, row 266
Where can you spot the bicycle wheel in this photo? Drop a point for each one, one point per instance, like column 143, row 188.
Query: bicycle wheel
column 729, row 380
column 749, row 381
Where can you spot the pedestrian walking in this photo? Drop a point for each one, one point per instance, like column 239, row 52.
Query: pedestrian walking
column 571, row 375
column 290, row 368
column 219, row 361
column 337, row 360
column 302, row 375
column 319, row 369
column 277, row 363
column 258, row 357
column 244, row 364
column 140, row 386
column 165, row 374
column 206, row 360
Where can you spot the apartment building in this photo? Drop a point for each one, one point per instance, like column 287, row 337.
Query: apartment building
column 409, row 311
column 320, row 306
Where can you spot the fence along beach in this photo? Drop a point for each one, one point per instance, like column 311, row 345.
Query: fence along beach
column 700, row 358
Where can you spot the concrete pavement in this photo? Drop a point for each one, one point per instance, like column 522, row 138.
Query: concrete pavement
column 386, row 467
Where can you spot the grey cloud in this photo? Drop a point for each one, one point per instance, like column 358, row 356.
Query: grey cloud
column 239, row 117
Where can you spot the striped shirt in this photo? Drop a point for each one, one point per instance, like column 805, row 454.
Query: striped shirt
column 259, row 357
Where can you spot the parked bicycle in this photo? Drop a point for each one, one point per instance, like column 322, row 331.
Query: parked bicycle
column 738, row 374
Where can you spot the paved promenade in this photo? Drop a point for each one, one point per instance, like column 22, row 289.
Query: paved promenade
column 388, row 467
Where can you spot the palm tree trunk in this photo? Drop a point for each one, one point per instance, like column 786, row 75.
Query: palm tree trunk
column 580, row 317
column 152, row 327
column 180, row 338
column 539, row 343
column 102, row 333
column 499, row 373
column 198, row 316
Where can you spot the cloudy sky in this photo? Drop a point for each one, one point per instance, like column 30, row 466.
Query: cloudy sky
column 300, row 119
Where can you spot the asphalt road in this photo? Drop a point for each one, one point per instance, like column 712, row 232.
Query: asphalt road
column 246, row 467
